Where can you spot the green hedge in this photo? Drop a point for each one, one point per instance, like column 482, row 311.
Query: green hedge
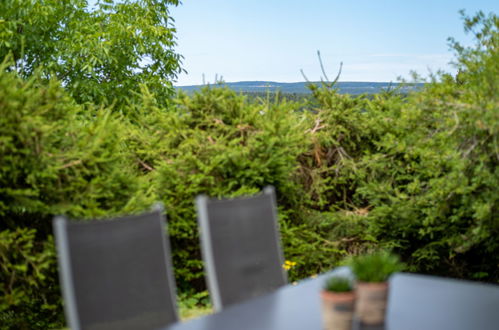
column 57, row 157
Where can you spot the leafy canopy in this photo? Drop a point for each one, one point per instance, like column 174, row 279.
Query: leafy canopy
column 101, row 54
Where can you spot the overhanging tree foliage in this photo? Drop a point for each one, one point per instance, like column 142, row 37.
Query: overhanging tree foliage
column 102, row 54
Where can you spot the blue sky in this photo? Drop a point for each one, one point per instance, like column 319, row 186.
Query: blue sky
column 377, row 40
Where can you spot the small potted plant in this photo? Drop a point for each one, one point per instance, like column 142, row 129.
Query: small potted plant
column 372, row 272
column 338, row 303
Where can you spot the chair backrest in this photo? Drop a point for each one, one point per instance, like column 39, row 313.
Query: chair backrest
column 241, row 247
column 116, row 274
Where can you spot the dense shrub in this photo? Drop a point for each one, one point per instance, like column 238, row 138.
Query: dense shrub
column 433, row 182
column 56, row 158
column 422, row 169
column 28, row 282
column 216, row 143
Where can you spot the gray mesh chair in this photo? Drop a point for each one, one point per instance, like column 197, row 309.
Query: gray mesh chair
column 241, row 247
column 116, row 274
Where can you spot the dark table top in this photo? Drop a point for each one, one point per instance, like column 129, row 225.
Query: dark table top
column 416, row 302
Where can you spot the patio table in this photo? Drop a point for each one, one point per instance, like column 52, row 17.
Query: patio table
column 416, row 302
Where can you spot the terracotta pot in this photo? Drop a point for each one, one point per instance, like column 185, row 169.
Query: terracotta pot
column 371, row 302
column 337, row 310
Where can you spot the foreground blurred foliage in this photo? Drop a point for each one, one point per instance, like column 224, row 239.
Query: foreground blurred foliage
column 413, row 173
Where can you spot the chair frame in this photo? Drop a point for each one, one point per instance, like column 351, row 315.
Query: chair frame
column 66, row 273
column 207, row 248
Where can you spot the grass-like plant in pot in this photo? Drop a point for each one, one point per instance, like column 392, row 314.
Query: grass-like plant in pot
column 372, row 272
column 338, row 302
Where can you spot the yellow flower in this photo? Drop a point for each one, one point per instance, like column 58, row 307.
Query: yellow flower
column 288, row 264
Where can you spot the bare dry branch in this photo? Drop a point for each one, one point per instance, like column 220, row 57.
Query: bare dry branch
column 72, row 163
column 144, row 165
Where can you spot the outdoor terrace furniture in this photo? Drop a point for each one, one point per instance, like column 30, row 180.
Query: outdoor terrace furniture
column 416, row 302
column 116, row 274
column 241, row 247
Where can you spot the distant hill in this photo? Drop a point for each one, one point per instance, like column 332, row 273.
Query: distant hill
column 301, row 87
